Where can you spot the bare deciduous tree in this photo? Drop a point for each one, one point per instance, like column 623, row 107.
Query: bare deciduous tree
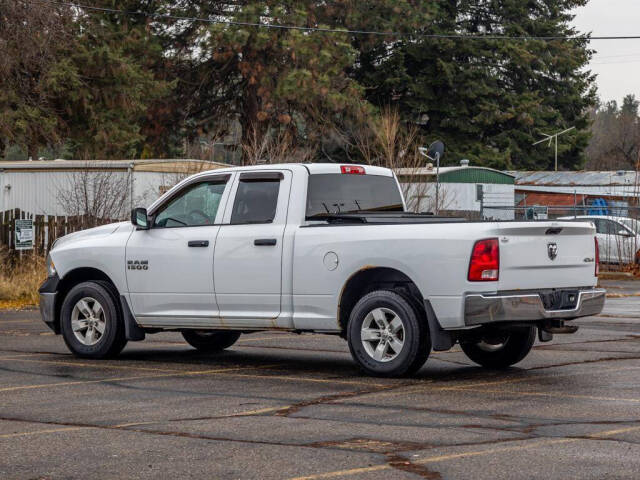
column 387, row 141
column 96, row 197
column 274, row 147
column 615, row 136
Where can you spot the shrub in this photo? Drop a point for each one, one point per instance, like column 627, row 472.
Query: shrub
column 20, row 277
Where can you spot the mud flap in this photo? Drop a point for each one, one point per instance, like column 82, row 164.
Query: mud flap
column 441, row 340
column 132, row 330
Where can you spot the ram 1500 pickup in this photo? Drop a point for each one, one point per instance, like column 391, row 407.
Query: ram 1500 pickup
column 323, row 248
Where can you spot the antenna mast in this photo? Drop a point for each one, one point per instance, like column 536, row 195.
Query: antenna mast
column 551, row 138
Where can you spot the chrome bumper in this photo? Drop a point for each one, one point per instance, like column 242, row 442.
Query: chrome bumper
column 48, row 309
column 481, row 308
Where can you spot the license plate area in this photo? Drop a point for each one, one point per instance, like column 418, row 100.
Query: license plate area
column 560, row 299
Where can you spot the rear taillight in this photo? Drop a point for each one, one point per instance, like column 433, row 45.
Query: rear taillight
column 597, row 271
column 354, row 169
column 485, row 261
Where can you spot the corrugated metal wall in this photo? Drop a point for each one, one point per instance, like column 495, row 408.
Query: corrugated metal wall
column 39, row 192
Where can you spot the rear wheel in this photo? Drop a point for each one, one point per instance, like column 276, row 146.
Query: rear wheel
column 91, row 321
column 501, row 349
column 387, row 335
column 210, row 340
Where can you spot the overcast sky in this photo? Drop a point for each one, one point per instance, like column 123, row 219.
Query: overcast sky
column 616, row 62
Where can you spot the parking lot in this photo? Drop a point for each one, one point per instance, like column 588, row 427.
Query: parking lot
column 279, row 405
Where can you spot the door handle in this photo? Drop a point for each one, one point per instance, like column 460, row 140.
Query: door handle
column 261, row 242
column 198, row 243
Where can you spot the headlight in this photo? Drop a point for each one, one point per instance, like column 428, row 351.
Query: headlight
column 51, row 268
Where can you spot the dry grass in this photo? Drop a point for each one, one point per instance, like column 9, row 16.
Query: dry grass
column 20, row 279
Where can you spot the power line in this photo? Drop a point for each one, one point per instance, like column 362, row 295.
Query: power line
column 622, row 62
column 162, row 16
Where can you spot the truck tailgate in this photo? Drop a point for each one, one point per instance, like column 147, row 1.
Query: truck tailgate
column 546, row 255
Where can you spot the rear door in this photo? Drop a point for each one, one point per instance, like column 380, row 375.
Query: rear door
column 248, row 254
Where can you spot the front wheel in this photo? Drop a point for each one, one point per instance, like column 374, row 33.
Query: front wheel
column 91, row 321
column 501, row 349
column 210, row 340
column 387, row 334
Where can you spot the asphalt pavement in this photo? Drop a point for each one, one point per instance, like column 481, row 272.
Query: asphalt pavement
column 284, row 406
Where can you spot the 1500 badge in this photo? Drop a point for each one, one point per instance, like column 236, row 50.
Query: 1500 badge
column 137, row 264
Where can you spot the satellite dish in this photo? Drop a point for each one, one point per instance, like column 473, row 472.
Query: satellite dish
column 436, row 150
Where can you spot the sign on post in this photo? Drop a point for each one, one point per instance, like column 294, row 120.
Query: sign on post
column 24, row 234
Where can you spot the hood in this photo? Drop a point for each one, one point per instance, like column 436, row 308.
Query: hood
column 101, row 231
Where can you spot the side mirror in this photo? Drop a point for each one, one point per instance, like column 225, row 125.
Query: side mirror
column 139, row 218
column 436, row 150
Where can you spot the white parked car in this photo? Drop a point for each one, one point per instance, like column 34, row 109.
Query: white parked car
column 618, row 237
column 323, row 248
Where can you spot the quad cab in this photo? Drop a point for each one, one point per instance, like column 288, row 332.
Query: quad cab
column 322, row 248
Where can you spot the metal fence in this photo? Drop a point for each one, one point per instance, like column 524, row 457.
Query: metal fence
column 550, row 212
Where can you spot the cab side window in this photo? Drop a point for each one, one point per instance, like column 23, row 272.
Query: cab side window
column 195, row 206
column 256, row 198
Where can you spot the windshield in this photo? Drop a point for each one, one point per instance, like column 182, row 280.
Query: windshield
column 348, row 193
column 632, row 224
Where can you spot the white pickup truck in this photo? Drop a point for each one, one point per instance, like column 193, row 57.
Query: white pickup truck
column 321, row 248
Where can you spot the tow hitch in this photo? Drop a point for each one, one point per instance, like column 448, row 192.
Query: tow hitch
column 549, row 327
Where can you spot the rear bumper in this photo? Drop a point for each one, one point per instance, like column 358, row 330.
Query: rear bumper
column 480, row 309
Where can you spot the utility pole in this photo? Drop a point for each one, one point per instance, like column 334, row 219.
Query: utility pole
column 551, row 138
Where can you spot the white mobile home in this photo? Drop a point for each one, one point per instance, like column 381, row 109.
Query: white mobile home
column 57, row 187
column 469, row 190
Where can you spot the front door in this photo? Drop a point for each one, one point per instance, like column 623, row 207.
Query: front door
column 170, row 266
column 248, row 255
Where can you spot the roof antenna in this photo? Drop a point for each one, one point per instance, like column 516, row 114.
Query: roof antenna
column 551, row 138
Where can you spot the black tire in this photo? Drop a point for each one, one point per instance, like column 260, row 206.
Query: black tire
column 112, row 340
column 210, row 340
column 416, row 340
column 516, row 344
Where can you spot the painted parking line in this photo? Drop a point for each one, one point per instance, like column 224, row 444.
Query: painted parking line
column 548, row 394
column 160, row 343
column 294, row 378
column 427, row 386
column 217, row 372
column 170, row 372
column 476, row 453
column 40, row 432
column 137, row 377
column 129, row 425
column 89, row 365
column 33, row 322
column 180, row 372
column 16, row 355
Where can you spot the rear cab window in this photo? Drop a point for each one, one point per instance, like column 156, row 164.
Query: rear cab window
column 335, row 193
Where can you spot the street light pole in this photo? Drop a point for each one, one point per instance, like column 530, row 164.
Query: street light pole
column 554, row 137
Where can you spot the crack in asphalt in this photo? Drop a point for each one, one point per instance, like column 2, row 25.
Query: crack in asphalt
column 582, row 362
column 339, row 396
